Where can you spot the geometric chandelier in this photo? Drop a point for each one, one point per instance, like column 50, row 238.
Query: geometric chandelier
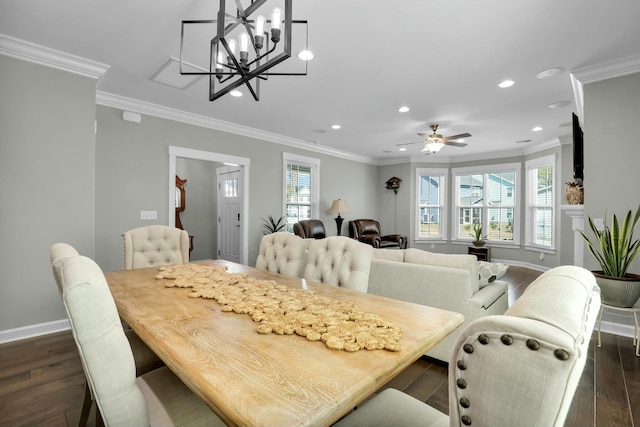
column 248, row 42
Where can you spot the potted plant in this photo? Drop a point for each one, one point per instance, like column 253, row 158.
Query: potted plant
column 614, row 249
column 270, row 225
column 478, row 238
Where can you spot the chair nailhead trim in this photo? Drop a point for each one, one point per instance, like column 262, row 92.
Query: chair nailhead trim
column 462, row 365
column 466, row 420
column 483, row 339
column 561, row 354
column 464, row 402
column 506, row 339
column 461, row 383
column 468, row 348
column 533, row 344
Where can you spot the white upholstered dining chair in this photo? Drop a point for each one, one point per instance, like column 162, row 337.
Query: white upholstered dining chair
column 282, row 253
column 153, row 399
column 145, row 360
column 155, row 245
column 339, row 261
column 519, row 369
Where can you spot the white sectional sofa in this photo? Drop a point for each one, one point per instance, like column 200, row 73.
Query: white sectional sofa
column 450, row 282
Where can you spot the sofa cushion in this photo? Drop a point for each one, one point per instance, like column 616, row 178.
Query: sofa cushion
column 490, row 271
column 389, row 254
column 464, row 262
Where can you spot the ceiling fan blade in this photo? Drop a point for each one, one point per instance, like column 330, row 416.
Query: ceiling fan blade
column 453, row 137
column 456, row 144
column 409, row 143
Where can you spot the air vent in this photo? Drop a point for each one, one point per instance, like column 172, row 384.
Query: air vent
column 169, row 74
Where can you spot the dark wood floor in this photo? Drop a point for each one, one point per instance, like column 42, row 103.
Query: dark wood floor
column 41, row 379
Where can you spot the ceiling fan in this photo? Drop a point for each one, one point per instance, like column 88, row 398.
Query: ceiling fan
column 434, row 142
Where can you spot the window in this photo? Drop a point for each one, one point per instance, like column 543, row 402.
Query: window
column 487, row 195
column 431, row 215
column 301, row 188
column 540, row 210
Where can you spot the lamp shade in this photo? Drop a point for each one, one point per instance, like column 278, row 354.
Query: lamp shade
column 339, row 206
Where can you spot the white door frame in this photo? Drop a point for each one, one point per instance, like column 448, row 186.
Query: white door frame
column 189, row 153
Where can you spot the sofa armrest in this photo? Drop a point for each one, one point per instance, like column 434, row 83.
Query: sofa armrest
column 371, row 239
column 489, row 294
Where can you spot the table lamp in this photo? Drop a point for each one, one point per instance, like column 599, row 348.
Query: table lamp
column 339, row 206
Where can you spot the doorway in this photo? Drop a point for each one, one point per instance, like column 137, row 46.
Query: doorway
column 241, row 164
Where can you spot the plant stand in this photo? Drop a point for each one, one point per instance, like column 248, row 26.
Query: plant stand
column 634, row 310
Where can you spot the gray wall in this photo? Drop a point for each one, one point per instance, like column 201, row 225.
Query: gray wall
column 611, row 147
column 132, row 170
column 47, row 152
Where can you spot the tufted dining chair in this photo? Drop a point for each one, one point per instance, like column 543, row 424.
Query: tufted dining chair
column 145, row 360
column 155, row 245
column 339, row 261
column 283, row 253
column 518, row 369
column 310, row 229
column 155, row 398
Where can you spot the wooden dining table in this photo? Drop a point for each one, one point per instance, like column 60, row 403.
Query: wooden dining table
column 252, row 379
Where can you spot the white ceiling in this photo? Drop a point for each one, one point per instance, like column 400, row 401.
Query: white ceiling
column 442, row 59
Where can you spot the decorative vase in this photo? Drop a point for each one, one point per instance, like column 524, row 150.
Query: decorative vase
column 618, row 291
column 478, row 243
column 574, row 194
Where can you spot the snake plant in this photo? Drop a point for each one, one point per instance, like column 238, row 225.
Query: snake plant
column 615, row 247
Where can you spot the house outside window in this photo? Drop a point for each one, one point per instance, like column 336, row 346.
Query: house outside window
column 488, row 196
column 431, row 185
column 540, row 204
column 301, row 188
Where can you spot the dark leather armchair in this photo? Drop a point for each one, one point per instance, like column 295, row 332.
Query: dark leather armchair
column 369, row 231
column 310, row 229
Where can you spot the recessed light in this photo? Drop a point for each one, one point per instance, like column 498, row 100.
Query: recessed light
column 506, row 83
column 235, row 93
column 402, row 149
column 305, row 55
column 336, row 127
column 559, row 104
column 536, row 129
column 403, row 109
column 550, row 72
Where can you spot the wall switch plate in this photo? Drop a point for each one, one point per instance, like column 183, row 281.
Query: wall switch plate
column 148, row 215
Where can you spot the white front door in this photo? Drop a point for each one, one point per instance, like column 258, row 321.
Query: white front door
column 229, row 209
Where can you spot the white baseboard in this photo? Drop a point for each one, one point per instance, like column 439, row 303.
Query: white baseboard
column 24, row 332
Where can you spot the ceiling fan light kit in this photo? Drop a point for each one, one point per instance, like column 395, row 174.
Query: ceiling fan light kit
column 434, row 142
column 259, row 48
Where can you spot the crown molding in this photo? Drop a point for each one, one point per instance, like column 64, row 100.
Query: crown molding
column 608, row 70
column 599, row 72
column 155, row 110
column 41, row 55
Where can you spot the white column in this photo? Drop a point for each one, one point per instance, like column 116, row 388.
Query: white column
column 576, row 213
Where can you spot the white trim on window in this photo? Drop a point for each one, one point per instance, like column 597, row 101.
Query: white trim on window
column 531, row 166
column 314, row 165
column 443, row 174
column 486, row 170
